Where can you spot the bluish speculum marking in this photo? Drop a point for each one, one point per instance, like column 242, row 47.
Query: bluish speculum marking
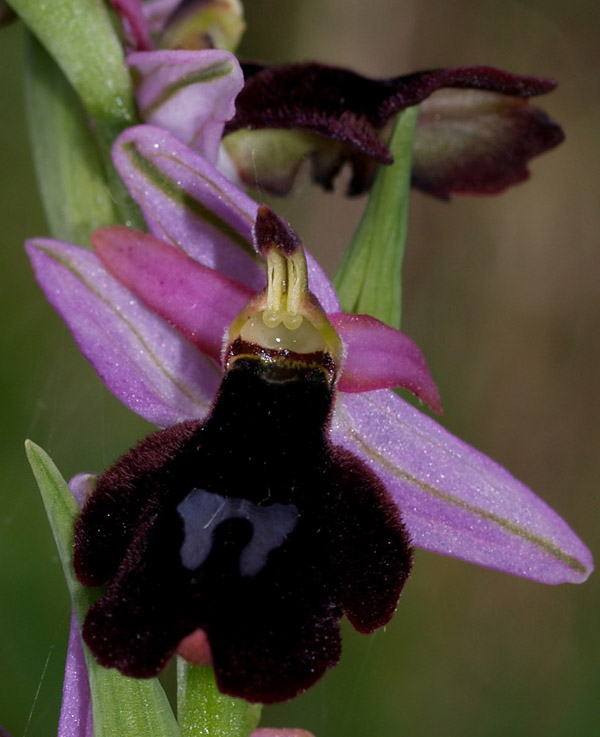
column 202, row 512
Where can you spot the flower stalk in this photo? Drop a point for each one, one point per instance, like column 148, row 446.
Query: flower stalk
column 203, row 709
column 369, row 279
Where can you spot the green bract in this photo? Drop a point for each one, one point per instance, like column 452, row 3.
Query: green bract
column 80, row 36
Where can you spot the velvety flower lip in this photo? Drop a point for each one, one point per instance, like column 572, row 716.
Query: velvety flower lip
column 351, row 110
column 452, row 497
column 76, row 718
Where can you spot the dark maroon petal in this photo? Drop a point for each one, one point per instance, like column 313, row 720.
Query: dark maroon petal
column 345, row 106
column 107, row 524
column 332, row 102
column 412, row 89
column 281, row 648
column 350, row 110
column 251, row 527
column 372, row 566
column 474, row 142
column 136, row 626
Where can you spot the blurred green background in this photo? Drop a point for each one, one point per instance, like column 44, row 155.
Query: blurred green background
column 502, row 295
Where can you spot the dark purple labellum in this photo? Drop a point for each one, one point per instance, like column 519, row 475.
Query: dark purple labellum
column 250, row 526
column 467, row 148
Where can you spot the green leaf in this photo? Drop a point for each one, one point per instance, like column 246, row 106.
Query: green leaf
column 369, row 279
column 80, row 187
column 70, row 173
column 80, row 36
column 204, row 710
column 121, row 706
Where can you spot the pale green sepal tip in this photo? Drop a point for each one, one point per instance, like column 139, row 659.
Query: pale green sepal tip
column 369, row 279
column 204, row 710
column 121, row 706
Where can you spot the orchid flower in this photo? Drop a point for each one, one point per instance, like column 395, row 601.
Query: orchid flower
column 475, row 135
column 150, row 312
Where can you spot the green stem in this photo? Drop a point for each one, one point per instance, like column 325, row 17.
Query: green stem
column 203, row 710
column 369, row 279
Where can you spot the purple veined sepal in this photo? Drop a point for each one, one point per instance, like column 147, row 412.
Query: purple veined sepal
column 143, row 361
column 76, row 709
column 190, row 93
column 455, row 500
